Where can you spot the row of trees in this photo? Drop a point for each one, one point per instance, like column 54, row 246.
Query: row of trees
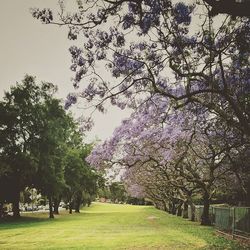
column 119, row 192
column 175, row 158
column 41, row 147
column 115, row 192
column 186, row 76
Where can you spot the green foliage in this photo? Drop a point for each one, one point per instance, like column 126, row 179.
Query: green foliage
column 41, row 147
column 19, row 130
column 118, row 192
column 80, row 179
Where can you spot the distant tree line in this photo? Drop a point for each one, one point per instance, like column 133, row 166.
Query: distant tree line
column 117, row 192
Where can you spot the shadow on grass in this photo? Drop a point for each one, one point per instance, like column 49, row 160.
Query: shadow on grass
column 36, row 219
column 24, row 221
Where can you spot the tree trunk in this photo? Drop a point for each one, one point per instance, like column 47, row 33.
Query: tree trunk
column 1, row 210
column 192, row 208
column 89, row 202
column 185, row 210
column 165, row 206
column 179, row 209
column 170, row 207
column 15, row 205
column 77, row 209
column 56, row 205
column 51, row 215
column 247, row 197
column 77, row 205
column 70, row 207
column 173, row 210
column 205, row 220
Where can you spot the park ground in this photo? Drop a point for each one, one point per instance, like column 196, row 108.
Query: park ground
column 110, row 226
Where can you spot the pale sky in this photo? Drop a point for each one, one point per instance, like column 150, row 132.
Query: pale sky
column 29, row 47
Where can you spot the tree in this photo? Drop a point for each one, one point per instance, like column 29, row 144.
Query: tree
column 50, row 146
column 153, row 48
column 80, row 179
column 231, row 7
column 172, row 156
column 118, row 192
column 19, row 129
column 34, row 130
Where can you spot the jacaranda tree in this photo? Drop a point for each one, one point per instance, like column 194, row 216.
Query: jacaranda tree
column 173, row 49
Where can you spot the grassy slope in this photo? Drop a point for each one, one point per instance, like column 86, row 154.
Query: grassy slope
column 108, row 226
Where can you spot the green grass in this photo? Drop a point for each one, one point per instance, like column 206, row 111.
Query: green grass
column 109, row 226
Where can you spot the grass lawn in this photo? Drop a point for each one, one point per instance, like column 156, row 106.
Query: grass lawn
column 109, row 226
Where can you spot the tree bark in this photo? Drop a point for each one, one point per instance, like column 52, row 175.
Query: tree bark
column 56, row 205
column 70, row 207
column 169, row 207
column 15, row 205
column 192, row 207
column 179, row 209
column 173, row 208
column 165, row 206
column 89, row 202
column 1, row 210
column 205, row 220
column 185, row 210
column 51, row 215
column 77, row 205
column 231, row 7
column 247, row 196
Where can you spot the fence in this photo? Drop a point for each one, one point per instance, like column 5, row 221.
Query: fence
column 198, row 212
column 234, row 220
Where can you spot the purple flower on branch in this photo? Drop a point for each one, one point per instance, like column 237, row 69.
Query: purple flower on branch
column 182, row 13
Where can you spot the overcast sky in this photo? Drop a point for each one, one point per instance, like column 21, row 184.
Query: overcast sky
column 29, row 47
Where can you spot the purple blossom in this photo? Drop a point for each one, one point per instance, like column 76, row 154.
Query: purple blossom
column 133, row 7
column 81, row 61
column 154, row 45
column 86, row 123
column 162, row 83
column 120, row 40
column 125, row 64
column 70, row 99
column 101, row 13
column 182, row 13
column 79, row 74
column 128, row 20
column 146, row 23
column 89, row 44
column 45, row 15
column 90, row 57
column 73, row 67
column 75, row 52
column 100, row 55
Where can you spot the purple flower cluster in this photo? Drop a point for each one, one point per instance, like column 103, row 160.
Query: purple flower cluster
column 128, row 21
column 182, row 13
column 93, row 90
column 44, row 15
column 142, row 135
column 75, row 52
column 123, row 64
column 86, row 123
column 70, row 99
